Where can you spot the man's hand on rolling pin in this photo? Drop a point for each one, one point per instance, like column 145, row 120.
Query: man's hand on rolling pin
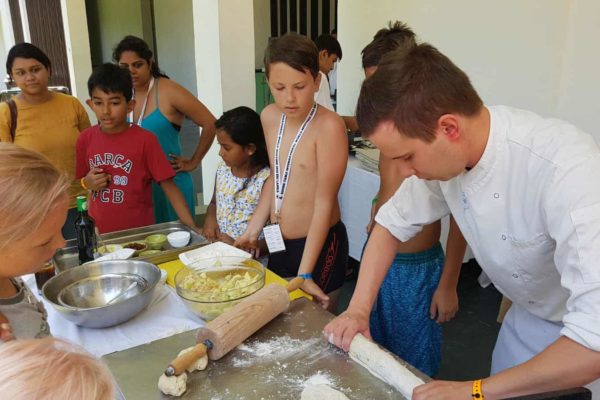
column 96, row 179
column 342, row 329
column 310, row 287
column 444, row 390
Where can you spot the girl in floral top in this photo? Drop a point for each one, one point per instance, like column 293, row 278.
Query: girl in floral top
column 240, row 177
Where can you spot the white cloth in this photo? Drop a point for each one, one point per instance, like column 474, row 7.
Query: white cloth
column 165, row 316
column 355, row 210
column 530, row 210
column 322, row 97
column 522, row 336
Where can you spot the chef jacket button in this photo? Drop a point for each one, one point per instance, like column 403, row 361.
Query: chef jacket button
column 503, row 237
column 515, row 275
column 496, row 195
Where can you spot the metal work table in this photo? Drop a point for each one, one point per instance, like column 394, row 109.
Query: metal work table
column 274, row 363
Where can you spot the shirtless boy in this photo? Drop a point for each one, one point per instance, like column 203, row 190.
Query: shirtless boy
column 306, row 207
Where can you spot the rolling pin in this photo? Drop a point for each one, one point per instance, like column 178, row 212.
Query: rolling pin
column 383, row 365
column 219, row 336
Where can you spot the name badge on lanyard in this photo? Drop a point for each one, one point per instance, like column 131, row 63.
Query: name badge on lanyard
column 274, row 238
column 281, row 180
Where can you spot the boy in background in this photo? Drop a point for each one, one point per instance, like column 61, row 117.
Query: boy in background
column 118, row 161
column 330, row 52
column 419, row 290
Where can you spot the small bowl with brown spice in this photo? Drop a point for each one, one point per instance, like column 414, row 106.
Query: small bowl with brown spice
column 138, row 246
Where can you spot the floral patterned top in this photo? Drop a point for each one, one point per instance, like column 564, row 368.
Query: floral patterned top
column 237, row 198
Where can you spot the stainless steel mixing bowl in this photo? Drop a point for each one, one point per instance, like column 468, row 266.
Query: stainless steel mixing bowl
column 85, row 291
column 98, row 291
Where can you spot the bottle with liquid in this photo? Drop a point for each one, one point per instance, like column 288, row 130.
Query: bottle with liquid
column 84, row 227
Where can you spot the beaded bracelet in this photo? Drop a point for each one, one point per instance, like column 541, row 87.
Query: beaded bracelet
column 305, row 276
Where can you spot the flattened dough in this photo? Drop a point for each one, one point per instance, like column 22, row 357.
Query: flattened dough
column 198, row 365
column 321, row 392
column 173, row 385
column 383, row 365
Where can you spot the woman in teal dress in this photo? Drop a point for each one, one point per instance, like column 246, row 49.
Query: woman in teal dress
column 160, row 107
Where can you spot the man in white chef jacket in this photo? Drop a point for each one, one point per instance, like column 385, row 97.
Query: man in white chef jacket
column 525, row 192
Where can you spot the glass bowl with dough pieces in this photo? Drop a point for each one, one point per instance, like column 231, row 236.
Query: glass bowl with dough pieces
column 211, row 286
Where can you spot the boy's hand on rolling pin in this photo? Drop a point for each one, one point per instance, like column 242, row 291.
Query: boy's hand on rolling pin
column 310, row 287
column 96, row 179
column 342, row 329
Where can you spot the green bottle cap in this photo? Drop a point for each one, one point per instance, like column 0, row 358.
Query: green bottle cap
column 82, row 204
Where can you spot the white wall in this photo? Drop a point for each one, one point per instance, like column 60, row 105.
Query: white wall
column 174, row 25
column 537, row 54
column 6, row 39
column 580, row 83
column 224, row 33
column 77, row 44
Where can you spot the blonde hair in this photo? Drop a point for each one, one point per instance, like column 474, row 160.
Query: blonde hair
column 50, row 368
column 30, row 187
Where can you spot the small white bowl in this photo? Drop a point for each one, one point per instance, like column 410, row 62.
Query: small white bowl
column 179, row 238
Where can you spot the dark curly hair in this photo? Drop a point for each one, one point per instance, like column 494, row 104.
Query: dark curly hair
column 140, row 47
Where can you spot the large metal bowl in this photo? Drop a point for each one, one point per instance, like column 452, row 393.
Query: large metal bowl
column 98, row 283
column 101, row 290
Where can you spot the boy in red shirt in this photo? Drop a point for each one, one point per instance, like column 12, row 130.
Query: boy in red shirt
column 117, row 161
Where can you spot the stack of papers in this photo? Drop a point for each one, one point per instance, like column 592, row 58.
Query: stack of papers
column 369, row 158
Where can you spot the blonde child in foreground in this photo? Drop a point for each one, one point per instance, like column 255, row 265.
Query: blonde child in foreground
column 33, row 208
column 308, row 213
column 50, row 369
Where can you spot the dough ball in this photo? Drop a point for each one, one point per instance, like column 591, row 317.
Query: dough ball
column 320, row 392
column 173, row 385
column 198, row 365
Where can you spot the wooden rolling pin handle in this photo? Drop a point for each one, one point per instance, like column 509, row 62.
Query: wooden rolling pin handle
column 239, row 322
column 294, row 284
column 178, row 365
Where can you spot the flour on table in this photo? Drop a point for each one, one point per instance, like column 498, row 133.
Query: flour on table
column 320, row 378
column 320, row 392
column 278, row 348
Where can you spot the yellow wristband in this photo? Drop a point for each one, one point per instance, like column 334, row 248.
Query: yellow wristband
column 82, row 181
column 477, row 393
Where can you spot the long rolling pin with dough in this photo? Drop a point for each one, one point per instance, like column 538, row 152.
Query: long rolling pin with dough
column 219, row 336
column 383, row 365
